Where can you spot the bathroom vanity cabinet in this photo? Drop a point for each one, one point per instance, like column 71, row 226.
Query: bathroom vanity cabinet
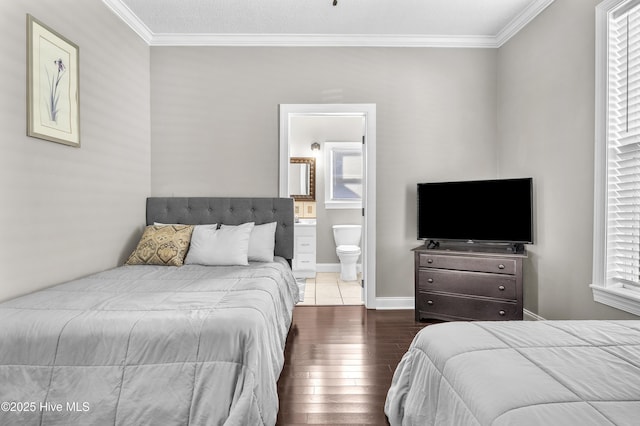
column 304, row 253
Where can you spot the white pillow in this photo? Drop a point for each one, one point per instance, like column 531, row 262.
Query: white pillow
column 262, row 242
column 228, row 246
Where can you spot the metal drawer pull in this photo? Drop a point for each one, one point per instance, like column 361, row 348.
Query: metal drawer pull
column 429, row 260
column 430, row 280
column 429, row 302
column 501, row 266
column 502, row 313
column 501, row 288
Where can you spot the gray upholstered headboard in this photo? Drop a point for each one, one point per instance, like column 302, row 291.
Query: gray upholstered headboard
column 228, row 211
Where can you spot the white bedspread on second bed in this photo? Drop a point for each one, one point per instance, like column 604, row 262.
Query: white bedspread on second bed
column 519, row 373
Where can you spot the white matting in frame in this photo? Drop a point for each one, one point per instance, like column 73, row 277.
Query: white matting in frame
column 53, row 87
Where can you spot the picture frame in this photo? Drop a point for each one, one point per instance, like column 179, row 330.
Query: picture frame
column 53, row 85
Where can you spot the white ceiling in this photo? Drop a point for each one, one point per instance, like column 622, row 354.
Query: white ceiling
column 451, row 23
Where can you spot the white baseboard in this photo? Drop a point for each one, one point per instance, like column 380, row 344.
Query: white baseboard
column 327, row 267
column 390, row 303
column 530, row 316
column 383, row 303
column 395, row 303
column 333, row 267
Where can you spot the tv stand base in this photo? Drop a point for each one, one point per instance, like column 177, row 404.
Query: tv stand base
column 473, row 246
column 467, row 284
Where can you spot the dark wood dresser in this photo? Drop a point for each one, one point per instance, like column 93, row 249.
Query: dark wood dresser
column 457, row 284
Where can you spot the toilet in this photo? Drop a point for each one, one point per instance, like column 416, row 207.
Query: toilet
column 347, row 238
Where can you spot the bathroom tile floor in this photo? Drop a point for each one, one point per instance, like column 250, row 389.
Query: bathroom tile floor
column 328, row 289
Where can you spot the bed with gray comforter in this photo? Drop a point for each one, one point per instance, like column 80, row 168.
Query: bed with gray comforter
column 155, row 345
column 519, row 373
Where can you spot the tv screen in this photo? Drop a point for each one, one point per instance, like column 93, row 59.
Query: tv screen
column 483, row 210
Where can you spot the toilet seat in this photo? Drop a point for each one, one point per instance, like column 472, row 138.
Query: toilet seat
column 346, row 249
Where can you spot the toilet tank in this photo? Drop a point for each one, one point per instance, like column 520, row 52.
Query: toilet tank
column 347, row 235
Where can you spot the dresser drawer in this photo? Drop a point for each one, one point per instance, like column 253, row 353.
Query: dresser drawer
column 468, row 283
column 456, row 307
column 305, row 244
column 468, row 263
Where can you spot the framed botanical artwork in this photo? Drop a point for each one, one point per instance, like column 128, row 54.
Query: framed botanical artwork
column 53, row 85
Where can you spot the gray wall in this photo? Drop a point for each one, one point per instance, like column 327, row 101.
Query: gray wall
column 546, row 130
column 305, row 130
column 525, row 109
column 66, row 211
column 214, row 124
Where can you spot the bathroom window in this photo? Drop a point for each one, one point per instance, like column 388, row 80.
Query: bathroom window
column 343, row 176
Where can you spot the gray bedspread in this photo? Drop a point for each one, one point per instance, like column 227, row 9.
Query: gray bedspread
column 148, row 345
column 519, row 373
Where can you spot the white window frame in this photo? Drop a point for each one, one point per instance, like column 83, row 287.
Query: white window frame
column 329, row 201
column 608, row 293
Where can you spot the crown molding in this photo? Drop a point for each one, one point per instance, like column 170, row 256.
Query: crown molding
column 325, row 40
column 521, row 21
column 131, row 19
column 322, row 40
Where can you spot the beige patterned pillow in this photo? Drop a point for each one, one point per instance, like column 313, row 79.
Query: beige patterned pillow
column 162, row 245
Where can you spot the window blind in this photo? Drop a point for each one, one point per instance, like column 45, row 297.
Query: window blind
column 623, row 150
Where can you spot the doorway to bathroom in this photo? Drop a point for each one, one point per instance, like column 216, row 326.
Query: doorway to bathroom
column 327, row 163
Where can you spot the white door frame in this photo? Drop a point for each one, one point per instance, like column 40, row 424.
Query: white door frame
column 368, row 111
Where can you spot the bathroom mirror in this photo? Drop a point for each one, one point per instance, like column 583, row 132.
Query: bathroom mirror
column 302, row 178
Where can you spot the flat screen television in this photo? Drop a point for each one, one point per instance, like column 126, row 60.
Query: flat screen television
column 496, row 211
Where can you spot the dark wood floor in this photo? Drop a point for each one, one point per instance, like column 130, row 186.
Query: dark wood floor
column 339, row 364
